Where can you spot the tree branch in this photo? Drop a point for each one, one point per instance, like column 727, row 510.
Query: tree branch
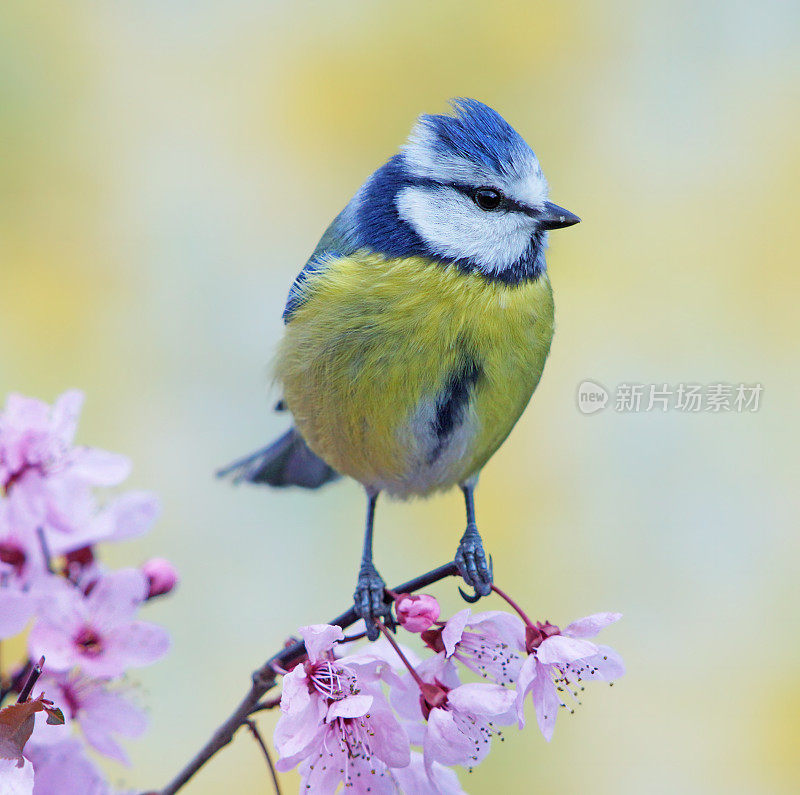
column 269, row 703
column 251, row 724
column 265, row 676
column 33, row 677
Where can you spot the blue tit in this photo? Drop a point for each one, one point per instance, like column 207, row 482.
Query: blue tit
column 418, row 329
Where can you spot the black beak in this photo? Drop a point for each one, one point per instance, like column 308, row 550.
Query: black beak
column 555, row 217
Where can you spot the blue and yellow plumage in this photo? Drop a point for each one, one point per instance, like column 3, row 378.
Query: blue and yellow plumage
column 419, row 328
column 367, row 357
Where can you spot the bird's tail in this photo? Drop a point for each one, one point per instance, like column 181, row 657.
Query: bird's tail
column 288, row 461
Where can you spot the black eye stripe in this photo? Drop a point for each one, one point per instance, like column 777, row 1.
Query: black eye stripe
column 506, row 203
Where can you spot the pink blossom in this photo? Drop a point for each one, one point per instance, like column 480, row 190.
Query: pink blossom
column 99, row 711
column 161, row 575
column 486, row 643
column 97, row 631
column 558, row 661
column 308, row 687
column 42, row 472
column 335, row 721
column 127, row 516
column 35, row 436
column 416, row 612
column 65, row 769
column 453, row 722
column 358, row 743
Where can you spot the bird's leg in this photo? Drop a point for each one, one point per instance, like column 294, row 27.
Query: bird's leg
column 470, row 557
column 368, row 598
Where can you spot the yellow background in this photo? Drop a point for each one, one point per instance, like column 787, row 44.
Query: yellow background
column 166, row 169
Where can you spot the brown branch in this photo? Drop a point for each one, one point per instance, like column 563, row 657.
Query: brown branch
column 33, row 677
column 251, row 724
column 269, row 703
column 264, row 680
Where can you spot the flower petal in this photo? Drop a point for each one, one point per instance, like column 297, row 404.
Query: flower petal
column 320, row 638
column 349, row 707
column 606, row 665
column 105, row 712
column 524, row 683
column 383, row 651
column 390, row 741
column 16, row 609
column 116, row 597
column 16, row 779
column 501, row 625
column 65, row 769
column 53, row 642
column 298, row 731
column 415, row 779
column 481, row 699
column 545, row 701
column 65, row 414
column 445, row 742
column 98, row 467
column 454, row 629
column 561, row 649
column 128, row 516
column 138, row 643
column 588, row 627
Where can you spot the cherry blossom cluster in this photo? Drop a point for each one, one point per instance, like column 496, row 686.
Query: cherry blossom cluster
column 382, row 720
column 82, row 617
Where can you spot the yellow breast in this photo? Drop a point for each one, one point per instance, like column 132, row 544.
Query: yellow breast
column 374, row 346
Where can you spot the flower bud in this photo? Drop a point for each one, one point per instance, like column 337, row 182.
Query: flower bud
column 416, row 612
column 161, row 575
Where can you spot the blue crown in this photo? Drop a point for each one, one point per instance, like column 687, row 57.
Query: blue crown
column 478, row 134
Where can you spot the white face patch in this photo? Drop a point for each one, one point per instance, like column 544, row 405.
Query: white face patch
column 450, row 222
column 455, row 227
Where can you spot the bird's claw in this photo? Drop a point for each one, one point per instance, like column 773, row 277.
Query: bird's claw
column 471, row 598
column 369, row 600
column 472, row 565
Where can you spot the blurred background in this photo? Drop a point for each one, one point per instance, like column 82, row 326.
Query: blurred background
column 168, row 167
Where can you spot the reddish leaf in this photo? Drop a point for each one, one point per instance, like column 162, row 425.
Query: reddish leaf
column 16, row 724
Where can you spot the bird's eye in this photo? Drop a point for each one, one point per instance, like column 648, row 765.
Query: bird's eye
column 487, row 198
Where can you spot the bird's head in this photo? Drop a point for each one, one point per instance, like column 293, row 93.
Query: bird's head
column 465, row 188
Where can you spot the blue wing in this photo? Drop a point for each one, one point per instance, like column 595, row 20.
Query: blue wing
column 339, row 240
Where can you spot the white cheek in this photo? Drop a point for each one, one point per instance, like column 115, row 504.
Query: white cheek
column 455, row 227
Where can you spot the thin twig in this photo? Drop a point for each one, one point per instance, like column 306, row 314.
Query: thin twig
column 264, row 681
column 32, row 678
column 269, row 703
column 251, row 724
column 45, row 549
column 513, row 604
column 351, row 638
column 393, row 643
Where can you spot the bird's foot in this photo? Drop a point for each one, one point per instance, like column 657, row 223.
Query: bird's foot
column 472, row 564
column 369, row 600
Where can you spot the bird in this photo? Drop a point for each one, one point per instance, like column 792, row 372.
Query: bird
column 418, row 330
